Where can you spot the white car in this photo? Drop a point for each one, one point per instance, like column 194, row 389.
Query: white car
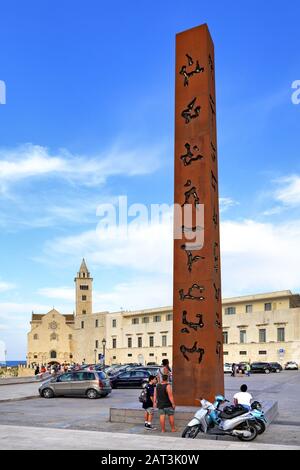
column 227, row 368
column 291, row 366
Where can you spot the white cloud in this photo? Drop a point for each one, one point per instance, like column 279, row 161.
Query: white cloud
column 226, row 203
column 6, row 286
column 259, row 257
column 62, row 293
column 140, row 293
column 289, row 191
column 148, row 248
column 30, row 161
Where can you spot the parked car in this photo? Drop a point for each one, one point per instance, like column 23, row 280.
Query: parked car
column 291, row 365
column 153, row 370
column 130, row 378
column 227, row 368
column 261, row 368
column 276, row 367
column 92, row 384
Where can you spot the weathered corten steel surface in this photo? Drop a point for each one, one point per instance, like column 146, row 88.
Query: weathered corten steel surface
column 197, row 329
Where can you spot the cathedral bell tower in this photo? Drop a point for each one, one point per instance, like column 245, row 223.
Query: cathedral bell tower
column 84, row 291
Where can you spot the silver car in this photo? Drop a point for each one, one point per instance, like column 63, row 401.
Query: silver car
column 91, row 384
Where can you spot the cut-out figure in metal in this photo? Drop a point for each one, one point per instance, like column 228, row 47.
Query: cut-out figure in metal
column 191, row 112
column 190, row 295
column 184, row 331
column 211, row 64
column 217, row 292
column 216, row 257
column 194, row 350
column 215, row 218
column 212, row 105
column 190, row 258
column 218, row 323
column 214, row 181
column 191, row 193
column 189, row 157
column 218, row 349
column 193, row 325
column 187, row 75
column 214, row 152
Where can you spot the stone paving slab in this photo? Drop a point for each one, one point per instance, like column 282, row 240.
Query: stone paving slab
column 18, row 438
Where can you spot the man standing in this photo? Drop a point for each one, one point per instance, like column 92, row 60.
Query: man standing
column 164, row 401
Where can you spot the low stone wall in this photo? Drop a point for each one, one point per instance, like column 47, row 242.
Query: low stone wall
column 182, row 416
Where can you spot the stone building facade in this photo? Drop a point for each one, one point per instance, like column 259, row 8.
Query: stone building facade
column 263, row 327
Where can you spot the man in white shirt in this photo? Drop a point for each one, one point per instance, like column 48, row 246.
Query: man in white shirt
column 243, row 398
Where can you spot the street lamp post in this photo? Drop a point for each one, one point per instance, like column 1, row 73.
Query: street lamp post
column 104, row 344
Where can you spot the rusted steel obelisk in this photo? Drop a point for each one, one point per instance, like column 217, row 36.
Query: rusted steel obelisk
column 197, row 327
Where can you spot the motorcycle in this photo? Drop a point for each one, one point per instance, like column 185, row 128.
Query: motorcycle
column 260, row 419
column 210, row 420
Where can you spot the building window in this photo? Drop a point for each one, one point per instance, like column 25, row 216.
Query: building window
column 145, row 320
column 225, row 337
column 157, row 319
column 169, row 317
column 140, row 342
column 83, row 312
column 268, row 307
column 129, row 355
column 114, row 343
column 249, row 308
column 35, row 336
column 164, row 341
column 82, row 324
column 243, row 336
column 84, row 287
column 281, row 335
column 262, row 336
column 96, row 344
column 35, row 356
column 243, row 353
column 164, row 354
column 96, row 323
column 53, row 354
column 225, row 353
column 71, row 356
column 262, row 353
column 130, row 342
column 135, row 321
column 114, row 357
column 114, row 323
column 83, row 297
column 230, row 311
column 151, row 341
column 53, row 337
column 70, row 336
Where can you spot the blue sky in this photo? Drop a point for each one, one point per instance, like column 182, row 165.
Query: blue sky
column 89, row 116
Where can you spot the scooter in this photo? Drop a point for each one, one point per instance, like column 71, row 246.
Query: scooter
column 211, row 421
column 260, row 419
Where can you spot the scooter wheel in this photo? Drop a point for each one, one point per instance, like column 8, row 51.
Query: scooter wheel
column 260, row 427
column 191, row 432
column 253, row 436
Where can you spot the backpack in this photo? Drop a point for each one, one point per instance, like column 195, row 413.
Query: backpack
column 143, row 398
